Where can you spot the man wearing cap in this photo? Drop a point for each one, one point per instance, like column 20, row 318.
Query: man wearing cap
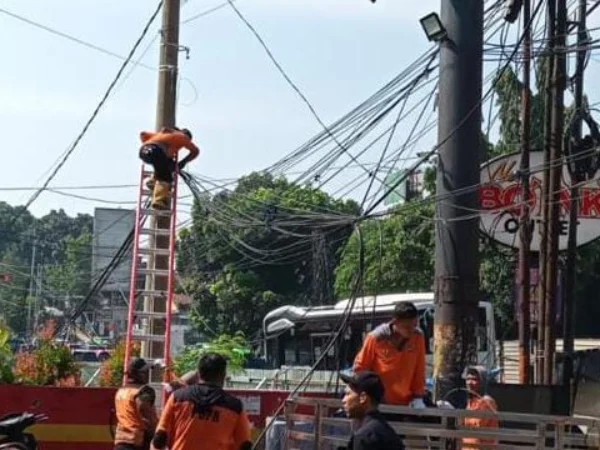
column 364, row 392
column 134, row 406
column 396, row 352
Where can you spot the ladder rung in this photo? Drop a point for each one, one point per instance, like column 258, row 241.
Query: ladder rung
column 157, row 272
column 151, row 315
column 154, row 251
column 155, row 212
column 147, row 192
column 147, row 173
column 149, row 337
column 155, row 231
column 152, row 293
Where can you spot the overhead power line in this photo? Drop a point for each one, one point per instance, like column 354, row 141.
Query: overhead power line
column 98, row 108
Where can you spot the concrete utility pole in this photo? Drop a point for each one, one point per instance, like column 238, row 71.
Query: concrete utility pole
column 569, row 298
column 457, row 236
column 545, row 225
column 556, row 145
column 165, row 117
column 30, row 329
column 525, row 227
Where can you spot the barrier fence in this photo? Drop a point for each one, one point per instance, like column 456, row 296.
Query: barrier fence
column 434, row 428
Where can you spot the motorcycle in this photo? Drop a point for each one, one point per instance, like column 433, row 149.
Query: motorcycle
column 12, row 431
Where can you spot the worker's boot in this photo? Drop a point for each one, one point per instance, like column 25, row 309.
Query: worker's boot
column 150, row 182
column 161, row 195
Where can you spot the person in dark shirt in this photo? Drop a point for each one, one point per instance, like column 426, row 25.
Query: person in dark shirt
column 364, row 392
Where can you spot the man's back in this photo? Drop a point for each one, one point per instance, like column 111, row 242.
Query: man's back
column 375, row 433
column 204, row 416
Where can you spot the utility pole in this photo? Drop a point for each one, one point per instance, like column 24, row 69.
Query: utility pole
column 165, row 117
column 569, row 298
column 31, row 287
column 545, row 203
column 556, row 144
column 460, row 152
column 525, row 226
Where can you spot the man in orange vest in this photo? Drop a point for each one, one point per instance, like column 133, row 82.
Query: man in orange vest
column 161, row 150
column 475, row 380
column 134, row 406
column 396, row 352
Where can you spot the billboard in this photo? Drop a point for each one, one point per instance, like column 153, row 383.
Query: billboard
column 500, row 202
column 111, row 228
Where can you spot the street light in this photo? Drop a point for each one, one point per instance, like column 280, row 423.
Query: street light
column 433, row 27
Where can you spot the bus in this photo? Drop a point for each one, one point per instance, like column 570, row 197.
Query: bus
column 295, row 336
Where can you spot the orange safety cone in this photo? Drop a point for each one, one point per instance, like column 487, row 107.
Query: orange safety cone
column 161, row 195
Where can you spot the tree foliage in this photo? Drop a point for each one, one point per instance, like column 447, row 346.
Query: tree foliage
column 398, row 253
column 49, row 364
column 63, row 245
column 234, row 348
column 252, row 249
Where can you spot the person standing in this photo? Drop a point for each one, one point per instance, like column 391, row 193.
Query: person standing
column 396, row 352
column 364, row 392
column 203, row 415
column 134, row 406
column 478, row 400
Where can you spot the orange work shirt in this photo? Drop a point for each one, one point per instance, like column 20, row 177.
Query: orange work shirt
column 402, row 372
column 171, row 142
column 130, row 426
column 204, row 416
column 485, row 403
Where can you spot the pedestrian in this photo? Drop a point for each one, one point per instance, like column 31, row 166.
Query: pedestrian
column 203, row 415
column 161, row 150
column 134, row 406
column 396, row 352
column 478, row 400
column 364, row 393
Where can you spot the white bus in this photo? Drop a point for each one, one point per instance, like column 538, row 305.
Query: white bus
column 295, row 336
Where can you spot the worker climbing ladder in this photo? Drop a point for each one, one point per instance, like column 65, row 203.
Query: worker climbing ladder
column 150, row 307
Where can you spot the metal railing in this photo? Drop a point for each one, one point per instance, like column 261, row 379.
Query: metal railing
column 309, row 424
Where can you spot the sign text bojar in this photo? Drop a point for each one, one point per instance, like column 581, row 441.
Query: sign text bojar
column 500, row 200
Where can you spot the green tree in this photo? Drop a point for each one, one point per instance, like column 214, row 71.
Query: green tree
column 265, row 243
column 73, row 276
column 398, row 253
column 233, row 347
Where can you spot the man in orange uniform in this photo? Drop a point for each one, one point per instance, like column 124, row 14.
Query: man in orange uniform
column 203, row 415
column 396, row 352
column 134, row 405
column 475, row 380
column 161, row 150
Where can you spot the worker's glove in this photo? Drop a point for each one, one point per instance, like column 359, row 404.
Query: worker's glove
column 417, row 403
column 443, row 404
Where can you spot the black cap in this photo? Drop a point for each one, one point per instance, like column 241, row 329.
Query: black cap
column 367, row 382
column 137, row 365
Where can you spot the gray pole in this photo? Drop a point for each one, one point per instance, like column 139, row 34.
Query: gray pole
column 165, row 117
column 569, row 297
column 525, row 228
column 30, row 330
column 556, row 144
column 457, row 236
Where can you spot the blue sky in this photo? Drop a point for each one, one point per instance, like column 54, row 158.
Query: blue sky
column 243, row 114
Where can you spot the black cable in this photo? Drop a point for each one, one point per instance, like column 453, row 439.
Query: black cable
column 467, row 117
column 98, row 108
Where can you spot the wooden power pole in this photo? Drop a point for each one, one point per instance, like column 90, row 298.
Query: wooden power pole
column 460, row 152
column 165, row 117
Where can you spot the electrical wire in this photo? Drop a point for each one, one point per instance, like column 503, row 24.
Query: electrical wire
column 98, row 108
